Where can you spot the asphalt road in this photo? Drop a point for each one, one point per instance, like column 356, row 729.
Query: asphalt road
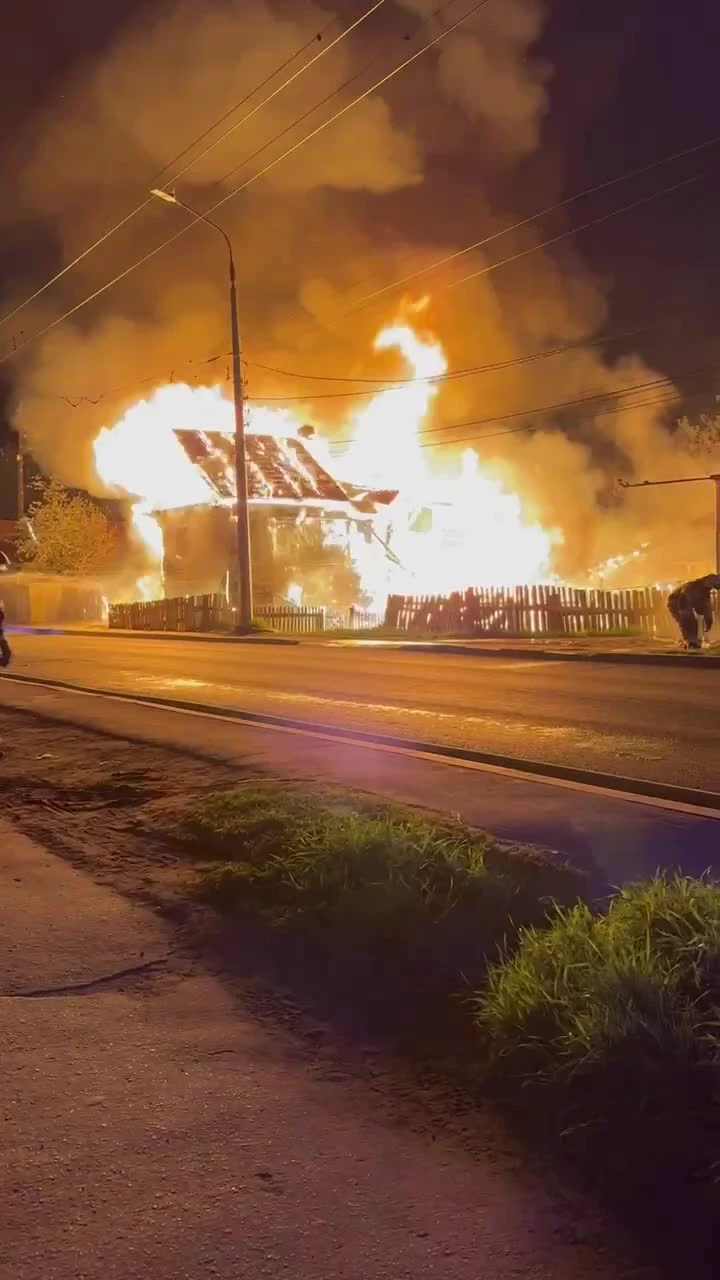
column 655, row 723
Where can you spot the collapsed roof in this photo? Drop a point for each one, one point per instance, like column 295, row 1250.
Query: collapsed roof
column 281, row 471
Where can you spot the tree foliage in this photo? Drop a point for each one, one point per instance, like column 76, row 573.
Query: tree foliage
column 700, row 436
column 67, row 533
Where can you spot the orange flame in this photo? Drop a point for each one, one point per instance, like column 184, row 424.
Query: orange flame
column 454, row 524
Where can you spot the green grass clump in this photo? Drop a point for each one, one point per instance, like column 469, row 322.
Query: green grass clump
column 374, row 869
column 613, row 1021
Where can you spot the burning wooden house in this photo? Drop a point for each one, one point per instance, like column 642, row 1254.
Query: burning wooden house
column 303, row 523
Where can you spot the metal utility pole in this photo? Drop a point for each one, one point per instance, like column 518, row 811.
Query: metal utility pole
column 648, row 484
column 20, row 477
column 244, row 564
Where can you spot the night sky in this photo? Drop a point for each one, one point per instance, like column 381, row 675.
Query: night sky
column 634, row 80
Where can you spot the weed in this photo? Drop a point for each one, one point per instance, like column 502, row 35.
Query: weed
column 614, row 1020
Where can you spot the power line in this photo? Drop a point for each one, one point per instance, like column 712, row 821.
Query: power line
column 348, row 107
column 667, row 190
column 434, row 379
column 75, row 399
column 584, row 226
column 231, row 110
column 514, row 431
column 570, row 231
column 185, row 169
column 494, row 367
column 630, row 389
column 261, row 173
column 301, row 71
column 293, row 125
column 528, row 429
column 299, row 120
column 386, row 385
column 376, row 386
column 524, row 222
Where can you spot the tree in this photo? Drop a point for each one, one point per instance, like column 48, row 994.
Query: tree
column 700, row 436
column 67, row 533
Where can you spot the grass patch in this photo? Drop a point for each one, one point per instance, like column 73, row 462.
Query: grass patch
column 377, row 875
column 602, row 1031
column 611, row 1026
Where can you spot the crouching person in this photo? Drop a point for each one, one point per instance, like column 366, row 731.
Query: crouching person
column 691, row 606
column 5, row 654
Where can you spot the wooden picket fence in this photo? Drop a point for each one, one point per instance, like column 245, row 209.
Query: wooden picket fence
column 212, row 613
column 532, row 611
column 482, row 611
column 180, row 613
column 295, row 620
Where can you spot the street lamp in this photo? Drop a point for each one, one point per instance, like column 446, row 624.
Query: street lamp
column 244, row 603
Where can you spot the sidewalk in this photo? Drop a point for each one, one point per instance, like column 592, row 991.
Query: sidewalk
column 153, row 1127
column 611, row 649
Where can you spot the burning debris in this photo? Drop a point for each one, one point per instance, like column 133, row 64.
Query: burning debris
column 404, row 522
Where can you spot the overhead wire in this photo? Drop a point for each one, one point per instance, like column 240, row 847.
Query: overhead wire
column 533, row 217
column 376, row 386
column 531, row 428
column 571, row 231
column 299, row 119
column 75, row 399
column 563, row 235
column 602, row 396
column 528, row 428
column 195, row 221
column 323, row 101
column 158, row 180
column 386, row 385
column 494, row 367
column 664, row 386
column 281, row 88
column 451, row 374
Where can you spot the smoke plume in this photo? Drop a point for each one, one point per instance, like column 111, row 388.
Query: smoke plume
column 420, row 168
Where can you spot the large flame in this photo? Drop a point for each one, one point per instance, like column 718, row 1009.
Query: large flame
column 453, row 525
column 141, row 456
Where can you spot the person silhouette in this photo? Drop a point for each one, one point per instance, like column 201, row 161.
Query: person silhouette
column 5, row 654
column 690, row 604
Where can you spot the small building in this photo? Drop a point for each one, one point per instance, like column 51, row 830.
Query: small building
column 302, row 523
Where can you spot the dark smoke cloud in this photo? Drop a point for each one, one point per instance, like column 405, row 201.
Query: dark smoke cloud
column 347, row 214
column 486, row 66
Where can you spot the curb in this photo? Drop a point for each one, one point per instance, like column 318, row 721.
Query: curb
column 533, row 770
column 34, row 631
column 201, row 637
column 198, row 637
column 558, row 655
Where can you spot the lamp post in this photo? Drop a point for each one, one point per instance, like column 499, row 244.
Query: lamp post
column 244, row 602
column 648, row 484
column 20, row 476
